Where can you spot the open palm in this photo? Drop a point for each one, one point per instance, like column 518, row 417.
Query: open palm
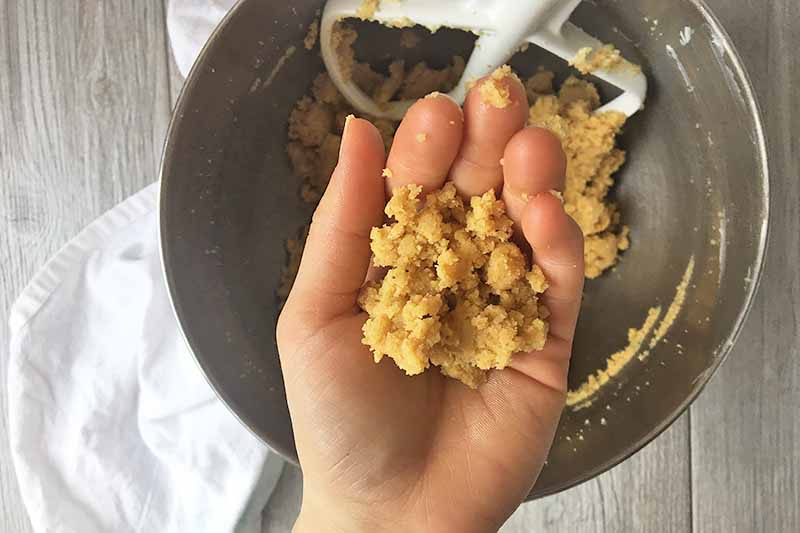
column 382, row 451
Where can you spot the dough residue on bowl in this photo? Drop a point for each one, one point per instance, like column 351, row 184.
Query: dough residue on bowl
column 589, row 142
column 458, row 293
column 584, row 395
column 581, row 397
column 311, row 35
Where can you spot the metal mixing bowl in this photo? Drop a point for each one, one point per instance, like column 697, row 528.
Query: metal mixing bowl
column 695, row 186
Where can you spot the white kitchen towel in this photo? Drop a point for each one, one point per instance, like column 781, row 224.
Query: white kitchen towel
column 190, row 23
column 113, row 427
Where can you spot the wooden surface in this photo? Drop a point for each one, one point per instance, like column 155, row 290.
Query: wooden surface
column 84, row 104
column 745, row 428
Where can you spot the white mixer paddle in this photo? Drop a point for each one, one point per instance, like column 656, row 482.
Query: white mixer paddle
column 502, row 26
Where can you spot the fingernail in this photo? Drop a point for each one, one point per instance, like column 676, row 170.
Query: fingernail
column 342, row 144
column 557, row 194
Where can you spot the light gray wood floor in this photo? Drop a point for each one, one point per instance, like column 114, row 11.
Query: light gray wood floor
column 85, row 95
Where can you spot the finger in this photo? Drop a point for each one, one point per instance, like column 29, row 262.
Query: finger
column 533, row 163
column 487, row 130
column 549, row 367
column 425, row 144
column 557, row 244
column 337, row 252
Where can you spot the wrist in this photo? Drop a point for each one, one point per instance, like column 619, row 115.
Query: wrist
column 332, row 515
column 320, row 514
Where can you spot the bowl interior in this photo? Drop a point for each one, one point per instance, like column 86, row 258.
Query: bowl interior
column 694, row 190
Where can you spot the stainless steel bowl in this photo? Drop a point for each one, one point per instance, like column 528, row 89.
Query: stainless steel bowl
column 695, row 186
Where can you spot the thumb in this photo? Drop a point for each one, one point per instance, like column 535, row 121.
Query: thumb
column 337, row 252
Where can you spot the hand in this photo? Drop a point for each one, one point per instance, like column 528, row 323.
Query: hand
column 381, row 451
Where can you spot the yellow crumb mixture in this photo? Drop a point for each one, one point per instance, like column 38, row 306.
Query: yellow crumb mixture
column 588, row 59
column 494, row 94
column 311, row 35
column 615, row 363
column 458, row 293
column 367, row 9
column 589, row 139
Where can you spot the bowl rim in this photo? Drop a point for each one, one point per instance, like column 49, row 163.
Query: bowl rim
column 762, row 150
column 744, row 82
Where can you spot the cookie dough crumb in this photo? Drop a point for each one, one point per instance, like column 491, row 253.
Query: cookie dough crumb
column 312, row 34
column 434, row 94
column 367, row 9
column 402, row 22
column 387, row 173
column 422, row 137
column 458, row 293
column 587, row 60
column 503, row 72
column 607, row 57
column 557, row 194
column 675, row 307
column 342, row 39
column 493, row 93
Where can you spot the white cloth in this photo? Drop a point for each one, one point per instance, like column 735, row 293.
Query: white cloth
column 113, row 427
column 190, row 23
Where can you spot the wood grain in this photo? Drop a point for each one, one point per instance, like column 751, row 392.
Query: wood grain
column 85, row 106
column 648, row 492
column 284, row 504
column 175, row 78
column 745, row 428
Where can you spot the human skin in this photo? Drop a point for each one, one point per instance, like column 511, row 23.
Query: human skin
column 381, row 451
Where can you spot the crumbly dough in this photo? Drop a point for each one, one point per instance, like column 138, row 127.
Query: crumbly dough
column 589, row 141
column 588, row 59
column 367, row 9
column 494, row 94
column 311, row 35
column 458, row 293
column 606, row 57
column 316, row 122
